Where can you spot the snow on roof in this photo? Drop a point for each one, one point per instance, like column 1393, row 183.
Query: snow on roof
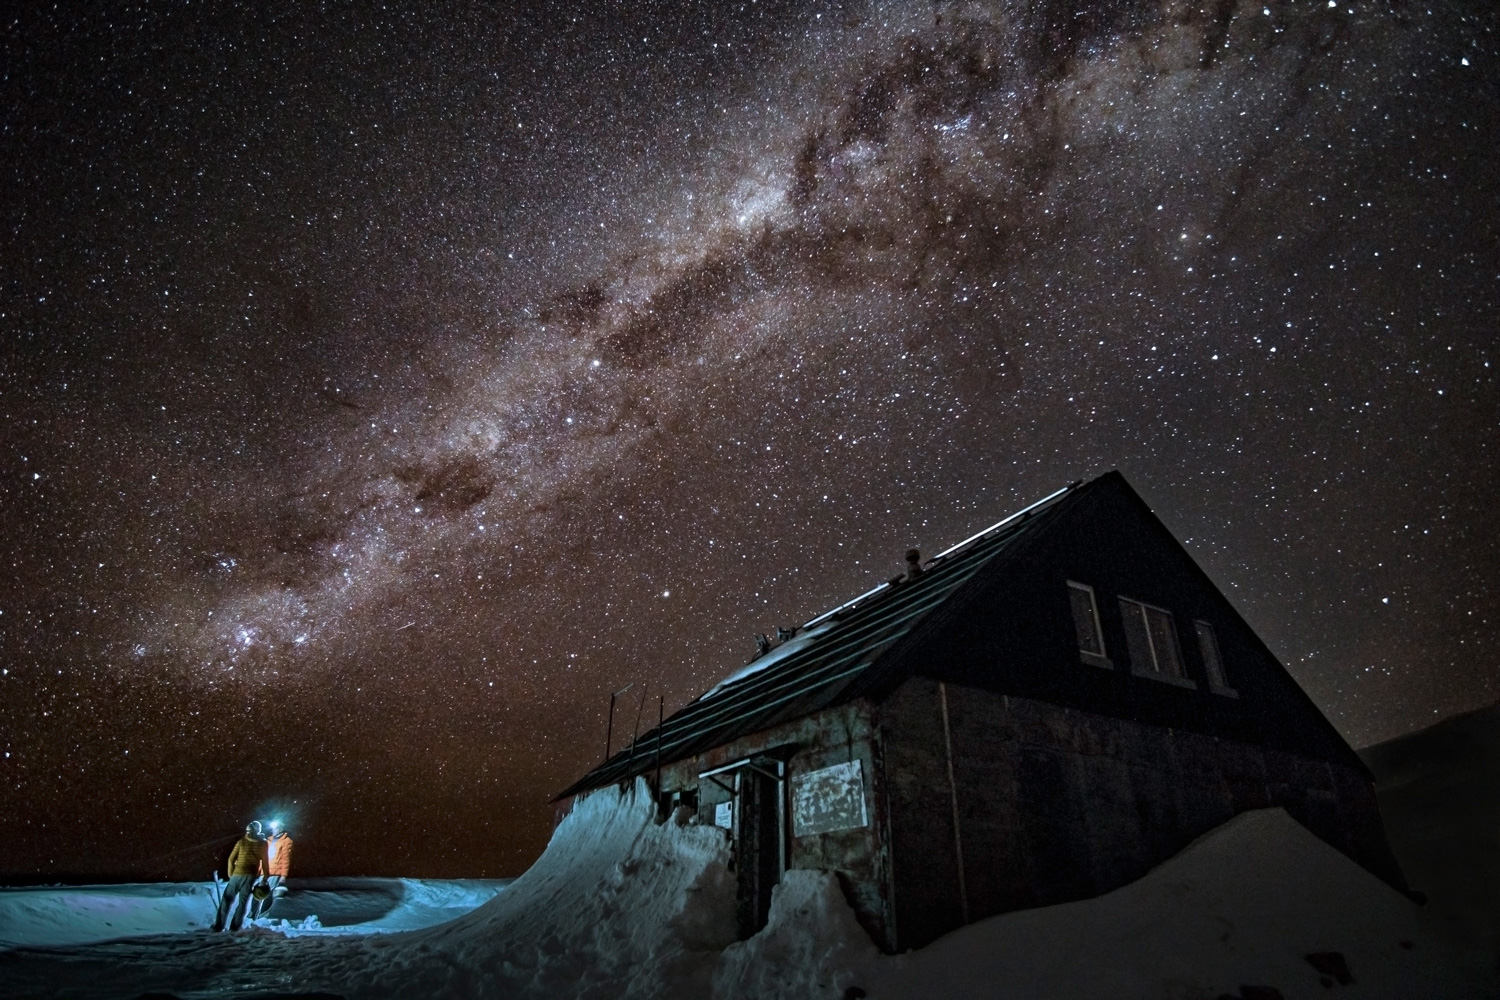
column 773, row 656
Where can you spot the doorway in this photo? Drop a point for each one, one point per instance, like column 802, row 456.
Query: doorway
column 758, row 846
column 756, row 819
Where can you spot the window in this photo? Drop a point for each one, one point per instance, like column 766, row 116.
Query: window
column 1213, row 663
column 1151, row 641
column 1086, row 624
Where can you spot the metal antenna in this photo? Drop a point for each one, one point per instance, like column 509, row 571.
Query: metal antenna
column 609, row 727
column 661, row 715
column 636, row 732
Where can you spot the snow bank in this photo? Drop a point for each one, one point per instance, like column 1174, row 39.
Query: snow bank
column 378, row 906
column 63, row 915
column 1243, row 906
column 810, row 947
column 51, row 916
column 618, row 906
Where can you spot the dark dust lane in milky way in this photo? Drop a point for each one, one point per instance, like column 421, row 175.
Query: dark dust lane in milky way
column 382, row 391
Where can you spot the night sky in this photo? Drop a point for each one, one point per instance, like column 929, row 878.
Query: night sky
column 382, row 390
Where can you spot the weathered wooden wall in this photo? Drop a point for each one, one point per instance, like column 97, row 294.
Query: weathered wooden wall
column 1056, row 804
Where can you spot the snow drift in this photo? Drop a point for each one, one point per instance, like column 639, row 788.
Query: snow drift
column 623, row 906
column 1259, row 903
column 617, row 906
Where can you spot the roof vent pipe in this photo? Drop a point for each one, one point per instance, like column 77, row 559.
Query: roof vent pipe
column 913, row 564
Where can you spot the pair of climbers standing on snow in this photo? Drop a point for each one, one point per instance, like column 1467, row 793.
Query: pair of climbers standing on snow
column 257, row 866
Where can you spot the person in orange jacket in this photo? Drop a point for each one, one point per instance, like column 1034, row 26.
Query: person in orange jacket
column 247, row 863
column 278, row 867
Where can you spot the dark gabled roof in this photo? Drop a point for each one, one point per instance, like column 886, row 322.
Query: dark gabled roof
column 825, row 662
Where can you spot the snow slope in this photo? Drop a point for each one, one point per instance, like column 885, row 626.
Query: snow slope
column 65, row 915
column 617, row 906
column 45, row 916
column 620, row 906
column 1242, row 906
column 1439, row 793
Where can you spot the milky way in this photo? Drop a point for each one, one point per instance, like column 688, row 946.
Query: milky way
column 382, row 393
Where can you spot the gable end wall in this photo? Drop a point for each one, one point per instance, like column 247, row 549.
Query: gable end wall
column 1010, row 630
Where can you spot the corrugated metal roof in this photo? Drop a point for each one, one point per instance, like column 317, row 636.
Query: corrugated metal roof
column 832, row 651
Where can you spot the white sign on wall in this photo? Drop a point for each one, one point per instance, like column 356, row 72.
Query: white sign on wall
column 724, row 815
column 829, row 799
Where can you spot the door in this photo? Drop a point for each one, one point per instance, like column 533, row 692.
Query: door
column 759, row 844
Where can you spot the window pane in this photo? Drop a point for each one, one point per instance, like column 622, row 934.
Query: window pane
column 1085, row 620
column 1208, row 645
column 1164, row 642
column 1137, row 643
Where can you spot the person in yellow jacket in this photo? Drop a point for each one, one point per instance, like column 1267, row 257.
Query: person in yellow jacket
column 278, row 867
column 247, row 863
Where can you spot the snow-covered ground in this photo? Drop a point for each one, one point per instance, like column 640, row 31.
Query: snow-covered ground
column 620, row 906
column 49, row 916
column 1242, row 907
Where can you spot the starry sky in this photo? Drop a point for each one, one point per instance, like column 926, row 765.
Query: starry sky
column 383, row 388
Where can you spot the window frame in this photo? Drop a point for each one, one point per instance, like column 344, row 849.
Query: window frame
column 1213, row 669
column 1153, row 671
column 1101, row 658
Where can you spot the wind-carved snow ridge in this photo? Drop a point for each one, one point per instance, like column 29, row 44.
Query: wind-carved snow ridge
column 618, row 906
